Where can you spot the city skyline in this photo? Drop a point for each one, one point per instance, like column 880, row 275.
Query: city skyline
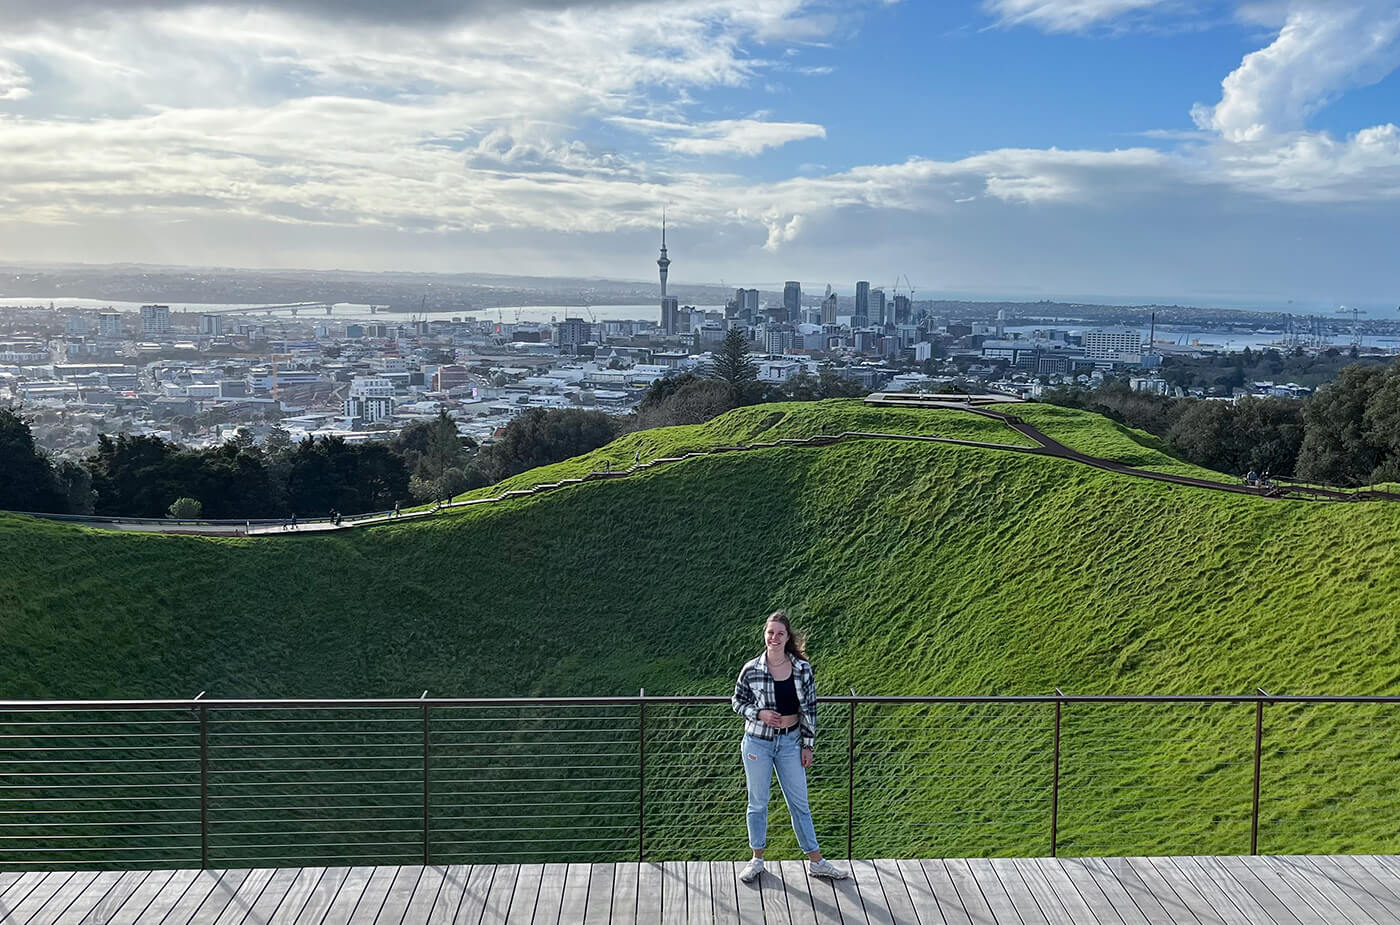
column 1193, row 151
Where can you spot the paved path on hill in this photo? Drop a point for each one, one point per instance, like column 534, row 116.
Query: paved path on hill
column 1044, row 446
column 1289, row 890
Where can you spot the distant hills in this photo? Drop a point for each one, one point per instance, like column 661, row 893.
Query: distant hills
column 916, row 569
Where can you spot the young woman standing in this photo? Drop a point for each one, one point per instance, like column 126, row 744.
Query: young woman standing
column 777, row 696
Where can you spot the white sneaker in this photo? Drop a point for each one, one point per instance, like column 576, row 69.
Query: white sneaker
column 825, row 868
column 751, row 873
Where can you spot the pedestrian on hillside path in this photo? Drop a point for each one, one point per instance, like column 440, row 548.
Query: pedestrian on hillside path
column 776, row 693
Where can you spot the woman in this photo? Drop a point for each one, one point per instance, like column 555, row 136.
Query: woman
column 777, row 696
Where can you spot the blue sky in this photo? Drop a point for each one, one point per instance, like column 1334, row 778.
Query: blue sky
column 1228, row 151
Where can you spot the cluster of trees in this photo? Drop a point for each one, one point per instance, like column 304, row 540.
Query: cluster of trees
column 143, row 476
column 1346, row 433
column 1219, row 373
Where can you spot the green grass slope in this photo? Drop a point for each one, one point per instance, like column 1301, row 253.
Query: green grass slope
column 917, row 569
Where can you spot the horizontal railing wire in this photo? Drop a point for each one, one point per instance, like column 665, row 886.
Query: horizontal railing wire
column 224, row 783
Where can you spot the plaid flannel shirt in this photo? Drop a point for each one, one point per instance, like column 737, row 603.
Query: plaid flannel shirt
column 753, row 691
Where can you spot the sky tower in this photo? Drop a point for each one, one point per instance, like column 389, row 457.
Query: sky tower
column 663, row 261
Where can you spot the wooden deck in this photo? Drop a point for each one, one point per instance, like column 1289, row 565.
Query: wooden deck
column 1291, row 890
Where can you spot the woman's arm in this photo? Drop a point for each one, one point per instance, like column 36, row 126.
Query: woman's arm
column 744, row 702
column 807, row 716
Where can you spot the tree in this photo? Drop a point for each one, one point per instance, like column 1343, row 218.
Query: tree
column 185, row 509
column 538, row 437
column 1337, row 446
column 732, row 363
column 27, row 481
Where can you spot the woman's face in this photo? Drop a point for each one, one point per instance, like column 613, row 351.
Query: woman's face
column 775, row 635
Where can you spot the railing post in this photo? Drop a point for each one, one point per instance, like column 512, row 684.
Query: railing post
column 1258, row 757
column 426, row 786
column 1055, row 782
column 203, row 785
column 641, row 775
column 851, row 779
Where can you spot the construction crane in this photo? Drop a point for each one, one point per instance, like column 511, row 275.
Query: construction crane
column 1356, row 314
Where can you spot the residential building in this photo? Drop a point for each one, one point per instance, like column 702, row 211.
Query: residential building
column 212, row 325
column 792, row 301
column 155, row 321
column 1118, row 347
column 571, row 333
column 371, row 399
column 109, row 324
column 450, row 377
column 778, row 338
column 877, row 308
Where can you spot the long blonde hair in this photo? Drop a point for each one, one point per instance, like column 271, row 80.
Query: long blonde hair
column 796, row 646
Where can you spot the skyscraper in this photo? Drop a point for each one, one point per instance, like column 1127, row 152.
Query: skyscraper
column 903, row 309
column 155, row 320
column 792, row 301
column 876, row 307
column 664, row 264
column 829, row 306
column 861, row 316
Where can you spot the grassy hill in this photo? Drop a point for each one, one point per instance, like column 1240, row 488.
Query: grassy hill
column 917, row 569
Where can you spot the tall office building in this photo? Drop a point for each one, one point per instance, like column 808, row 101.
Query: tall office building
column 670, row 315
column 876, row 309
column 903, row 309
column 155, row 320
column 792, row 301
column 211, row 324
column 829, row 306
column 860, row 318
column 109, row 324
column 571, row 333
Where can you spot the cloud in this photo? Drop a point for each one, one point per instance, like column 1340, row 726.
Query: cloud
column 729, row 136
column 1069, row 15
column 14, row 82
column 1322, row 50
column 401, row 11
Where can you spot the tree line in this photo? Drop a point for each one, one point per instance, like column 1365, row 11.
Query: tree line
column 1346, row 433
column 146, row 476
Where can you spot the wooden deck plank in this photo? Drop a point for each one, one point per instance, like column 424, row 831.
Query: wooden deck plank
column 498, row 897
column 673, row 893
column 920, row 893
column 1159, row 872
column 1106, row 886
column 968, row 876
column 220, row 896
column 1273, row 906
column 624, row 897
column 521, row 908
column 1384, row 874
column 722, row 882
column 1119, row 871
column 575, row 899
column 774, row 895
column 1245, row 892
column 1022, row 899
column 1358, row 894
column 106, row 908
column 66, row 895
column 400, row 894
column 244, row 897
column 425, row 895
column 848, row 902
column 1381, row 899
column 1224, row 902
column 1084, row 906
column 7, row 878
column 449, row 897
column 897, row 901
column 550, row 895
column 318, row 903
column 36, row 898
column 19, row 888
column 1326, row 886
column 284, row 892
column 138, row 899
column 93, row 893
column 940, row 882
column 598, row 909
column 1045, row 896
column 182, row 913
column 798, row 887
column 340, row 908
column 371, row 898
column 699, row 895
column 166, row 898
column 872, row 893
column 474, row 893
column 748, row 897
column 649, row 879
column 1302, row 902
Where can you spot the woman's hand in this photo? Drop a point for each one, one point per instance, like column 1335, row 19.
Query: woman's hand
column 771, row 718
column 806, row 757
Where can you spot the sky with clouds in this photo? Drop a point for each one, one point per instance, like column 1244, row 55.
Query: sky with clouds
column 1226, row 151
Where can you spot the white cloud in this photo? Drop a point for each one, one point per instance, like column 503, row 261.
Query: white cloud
column 1322, row 50
column 14, row 82
column 1068, row 15
column 728, row 136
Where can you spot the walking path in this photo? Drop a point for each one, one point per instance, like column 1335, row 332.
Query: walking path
column 982, row 405
column 1288, row 890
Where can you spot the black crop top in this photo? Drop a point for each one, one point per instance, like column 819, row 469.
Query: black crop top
column 785, row 695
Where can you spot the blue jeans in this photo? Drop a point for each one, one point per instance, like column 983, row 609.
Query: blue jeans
column 783, row 754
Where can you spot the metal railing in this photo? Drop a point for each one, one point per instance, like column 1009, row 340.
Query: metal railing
column 237, row 783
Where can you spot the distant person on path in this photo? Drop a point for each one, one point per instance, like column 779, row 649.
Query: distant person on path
column 398, row 509
column 294, row 520
column 776, row 694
